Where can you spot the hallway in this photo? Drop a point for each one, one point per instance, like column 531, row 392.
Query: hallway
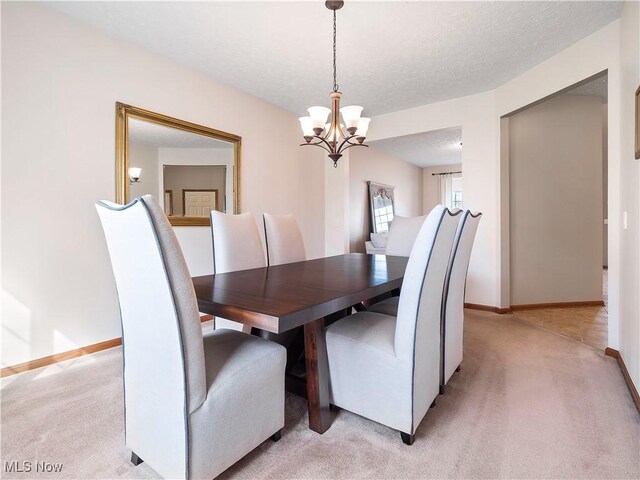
column 587, row 325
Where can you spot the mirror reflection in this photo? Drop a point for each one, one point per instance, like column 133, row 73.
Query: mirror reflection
column 190, row 169
column 381, row 206
column 189, row 174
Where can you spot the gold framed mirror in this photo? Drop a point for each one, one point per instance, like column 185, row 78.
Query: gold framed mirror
column 190, row 169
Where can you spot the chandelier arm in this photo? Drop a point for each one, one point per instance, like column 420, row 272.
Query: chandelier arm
column 320, row 142
column 353, row 145
column 323, row 140
column 346, row 140
column 316, row 145
column 330, row 131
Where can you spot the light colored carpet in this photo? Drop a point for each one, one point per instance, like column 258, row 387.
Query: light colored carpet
column 527, row 404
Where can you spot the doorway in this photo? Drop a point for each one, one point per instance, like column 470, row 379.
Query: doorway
column 557, row 154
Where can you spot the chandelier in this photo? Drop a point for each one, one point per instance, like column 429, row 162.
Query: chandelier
column 335, row 137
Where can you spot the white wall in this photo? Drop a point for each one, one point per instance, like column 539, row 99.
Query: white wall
column 430, row 185
column 629, row 187
column 369, row 164
column 476, row 115
column 605, row 186
column 556, row 201
column 480, row 116
column 60, row 83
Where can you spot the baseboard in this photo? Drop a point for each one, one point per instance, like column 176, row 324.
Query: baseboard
column 612, row 352
column 487, row 308
column 535, row 306
column 61, row 357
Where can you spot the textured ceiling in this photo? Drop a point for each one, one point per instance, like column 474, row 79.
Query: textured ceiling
column 428, row 149
column 155, row 135
column 391, row 55
column 596, row 87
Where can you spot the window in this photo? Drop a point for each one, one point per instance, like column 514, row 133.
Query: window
column 451, row 191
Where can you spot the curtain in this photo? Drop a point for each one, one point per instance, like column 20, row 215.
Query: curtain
column 450, row 190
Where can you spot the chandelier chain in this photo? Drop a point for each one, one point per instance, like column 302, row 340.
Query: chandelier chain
column 335, row 82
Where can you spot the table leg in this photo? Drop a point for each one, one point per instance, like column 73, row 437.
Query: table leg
column 315, row 349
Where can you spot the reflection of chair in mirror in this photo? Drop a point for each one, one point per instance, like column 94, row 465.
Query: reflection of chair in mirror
column 236, row 246
column 194, row 405
column 387, row 368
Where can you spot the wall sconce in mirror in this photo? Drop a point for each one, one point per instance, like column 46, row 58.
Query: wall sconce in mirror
column 189, row 168
column 134, row 175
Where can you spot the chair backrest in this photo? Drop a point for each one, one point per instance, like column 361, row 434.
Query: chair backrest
column 417, row 336
column 283, row 239
column 455, row 287
column 164, row 371
column 402, row 235
column 236, row 242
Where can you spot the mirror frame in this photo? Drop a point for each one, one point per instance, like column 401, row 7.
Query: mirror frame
column 124, row 112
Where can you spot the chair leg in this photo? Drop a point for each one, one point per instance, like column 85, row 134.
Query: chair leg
column 459, row 368
column 407, row 439
column 441, row 389
column 433, row 404
column 135, row 459
column 276, row 436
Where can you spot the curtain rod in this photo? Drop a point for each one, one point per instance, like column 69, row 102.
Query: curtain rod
column 444, row 173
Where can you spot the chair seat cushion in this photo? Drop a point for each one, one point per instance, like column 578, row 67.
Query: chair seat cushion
column 367, row 378
column 367, row 328
column 388, row 306
column 231, row 355
column 244, row 404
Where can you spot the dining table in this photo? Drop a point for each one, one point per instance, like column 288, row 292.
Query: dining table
column 280, row 298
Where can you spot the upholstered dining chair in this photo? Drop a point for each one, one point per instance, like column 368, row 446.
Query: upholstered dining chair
column 402, row 234
column 283, row 239
column 236, row 246
column 194, row 405
column 453, row 301
column 285, row 245
column 387, row 368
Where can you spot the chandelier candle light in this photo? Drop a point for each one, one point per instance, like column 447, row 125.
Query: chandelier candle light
column 335, row 137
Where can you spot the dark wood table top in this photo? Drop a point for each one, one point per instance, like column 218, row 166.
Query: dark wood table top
column 283, row 297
